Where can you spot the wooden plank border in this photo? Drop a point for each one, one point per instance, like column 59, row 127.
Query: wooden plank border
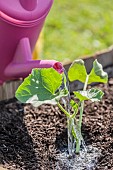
column 7, row 90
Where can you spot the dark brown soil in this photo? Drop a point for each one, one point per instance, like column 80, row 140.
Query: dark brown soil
column 30, row 138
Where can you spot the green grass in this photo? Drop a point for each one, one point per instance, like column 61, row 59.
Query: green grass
column 78, row 28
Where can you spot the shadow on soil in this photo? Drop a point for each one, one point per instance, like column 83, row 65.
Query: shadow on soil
column 16, row 146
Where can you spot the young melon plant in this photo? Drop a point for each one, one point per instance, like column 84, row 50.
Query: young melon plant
column 47, row 86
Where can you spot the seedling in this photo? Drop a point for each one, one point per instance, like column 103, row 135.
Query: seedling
column 44, row 86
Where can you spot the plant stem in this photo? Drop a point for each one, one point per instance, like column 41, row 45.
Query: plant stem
column 80, row 118
column 69, row 129
column 86, row 82
column 63, row 110
column 70, row 137
column 77, row 146
column 81, row 114
column 82, row 104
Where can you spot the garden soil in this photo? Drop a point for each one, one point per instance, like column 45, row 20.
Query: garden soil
column 30, row 138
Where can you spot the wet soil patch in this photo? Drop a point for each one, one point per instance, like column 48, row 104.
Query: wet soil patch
column 30, row 138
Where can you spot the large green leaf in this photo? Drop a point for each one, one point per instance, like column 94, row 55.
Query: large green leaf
column 97, row 74
column 42, row 86
column 92, row 94
column 77, row 71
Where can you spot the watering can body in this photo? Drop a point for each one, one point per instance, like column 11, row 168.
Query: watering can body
column 20, row 24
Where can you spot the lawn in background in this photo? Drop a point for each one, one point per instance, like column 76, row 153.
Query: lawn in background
column 77, row 28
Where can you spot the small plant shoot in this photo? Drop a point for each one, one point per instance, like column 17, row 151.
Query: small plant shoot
column 77, row 71
column 44, row 86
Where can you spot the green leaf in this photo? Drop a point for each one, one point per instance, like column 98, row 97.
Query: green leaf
column 97, row 74
column 77, row 71
column 75, row 108
column 92, row 94
column 73, row 104
column 42, row 86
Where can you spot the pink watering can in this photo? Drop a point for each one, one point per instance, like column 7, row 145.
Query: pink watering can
column 20, row 24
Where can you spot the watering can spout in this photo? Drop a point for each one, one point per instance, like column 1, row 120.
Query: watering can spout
column 22, row 63
column 29, row 4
